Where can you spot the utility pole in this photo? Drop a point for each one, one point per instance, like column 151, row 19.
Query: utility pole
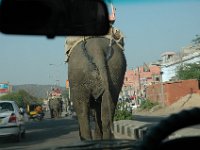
column 162, row 90
column 139, row 83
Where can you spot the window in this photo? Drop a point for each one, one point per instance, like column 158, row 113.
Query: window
column 6, row 107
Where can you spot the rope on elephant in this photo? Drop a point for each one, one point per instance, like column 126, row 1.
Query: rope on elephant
column 71, row 41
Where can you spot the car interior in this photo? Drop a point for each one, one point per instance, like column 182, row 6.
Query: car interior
column 59, row 19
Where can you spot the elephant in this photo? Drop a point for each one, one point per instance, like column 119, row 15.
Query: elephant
column 55, row 106
column 96, row 69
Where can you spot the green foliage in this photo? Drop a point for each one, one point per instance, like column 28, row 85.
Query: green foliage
column 188, row 71
column 122, row 113
column 22, row 98
column 147, row 105
column 196, row 40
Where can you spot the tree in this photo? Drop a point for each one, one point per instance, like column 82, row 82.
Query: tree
column 188, row 71
column 196, row 40
column 22, row 98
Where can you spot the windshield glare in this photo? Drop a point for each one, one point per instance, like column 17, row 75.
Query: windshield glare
column 160, row 41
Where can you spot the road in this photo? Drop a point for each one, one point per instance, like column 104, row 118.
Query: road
column 156, row 119
column 149, row 119
column 51, row 133
column 181, row 132
column 48, row 133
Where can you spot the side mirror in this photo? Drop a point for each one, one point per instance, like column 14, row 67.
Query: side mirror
column 54, row 17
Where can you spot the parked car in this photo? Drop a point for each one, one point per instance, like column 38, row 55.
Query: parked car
column 12, row 122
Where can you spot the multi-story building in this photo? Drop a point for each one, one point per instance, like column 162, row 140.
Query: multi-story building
column 171, row 61
column 136, row 80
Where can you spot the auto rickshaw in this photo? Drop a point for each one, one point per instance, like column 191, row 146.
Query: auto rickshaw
column 35, row 111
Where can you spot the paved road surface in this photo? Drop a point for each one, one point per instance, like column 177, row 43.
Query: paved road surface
column 47, row 133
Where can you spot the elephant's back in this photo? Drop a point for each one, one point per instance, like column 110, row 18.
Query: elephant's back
column 115, row 59
column 80, row 69
column 55, row 103
column 83, row 70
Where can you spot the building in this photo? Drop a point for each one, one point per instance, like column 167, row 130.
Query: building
column 171, row 89
column 153, row 80
column 172, row 61
column 167, row 93
column 136, row 80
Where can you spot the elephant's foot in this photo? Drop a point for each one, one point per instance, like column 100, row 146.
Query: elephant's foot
column 97, row 135
column 85, row 136
column 108, row 135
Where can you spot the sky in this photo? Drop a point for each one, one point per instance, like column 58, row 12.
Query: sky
column 150, row 27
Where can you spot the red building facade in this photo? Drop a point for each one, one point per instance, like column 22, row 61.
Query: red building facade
column 169, row 92
column 137, row 80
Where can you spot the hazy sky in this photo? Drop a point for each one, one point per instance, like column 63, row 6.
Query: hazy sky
column 150, row 27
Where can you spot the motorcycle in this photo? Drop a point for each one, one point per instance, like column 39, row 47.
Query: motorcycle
column 34, row 113
column 37, row 116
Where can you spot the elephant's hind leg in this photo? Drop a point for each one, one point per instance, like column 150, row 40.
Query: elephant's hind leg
column 82, row 111
column 107, row 106
column 98, row 134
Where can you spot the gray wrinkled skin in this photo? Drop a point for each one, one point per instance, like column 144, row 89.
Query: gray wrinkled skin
column 55, row 106
column 96, row 76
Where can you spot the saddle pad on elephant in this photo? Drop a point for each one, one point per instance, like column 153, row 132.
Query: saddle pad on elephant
column 71, row 41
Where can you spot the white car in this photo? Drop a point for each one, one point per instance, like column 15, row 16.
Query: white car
column 11, row 120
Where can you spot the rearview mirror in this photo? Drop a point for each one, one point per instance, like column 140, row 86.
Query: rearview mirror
column 54, row 17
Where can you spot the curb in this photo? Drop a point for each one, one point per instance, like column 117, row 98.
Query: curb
column 130, row 129
column 135, row 130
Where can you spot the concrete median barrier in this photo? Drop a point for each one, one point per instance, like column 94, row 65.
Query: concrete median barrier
column 130, row 129
column 135, row 130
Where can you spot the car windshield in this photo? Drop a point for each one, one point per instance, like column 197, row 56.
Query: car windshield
column 6, row 107
column 153, row 71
